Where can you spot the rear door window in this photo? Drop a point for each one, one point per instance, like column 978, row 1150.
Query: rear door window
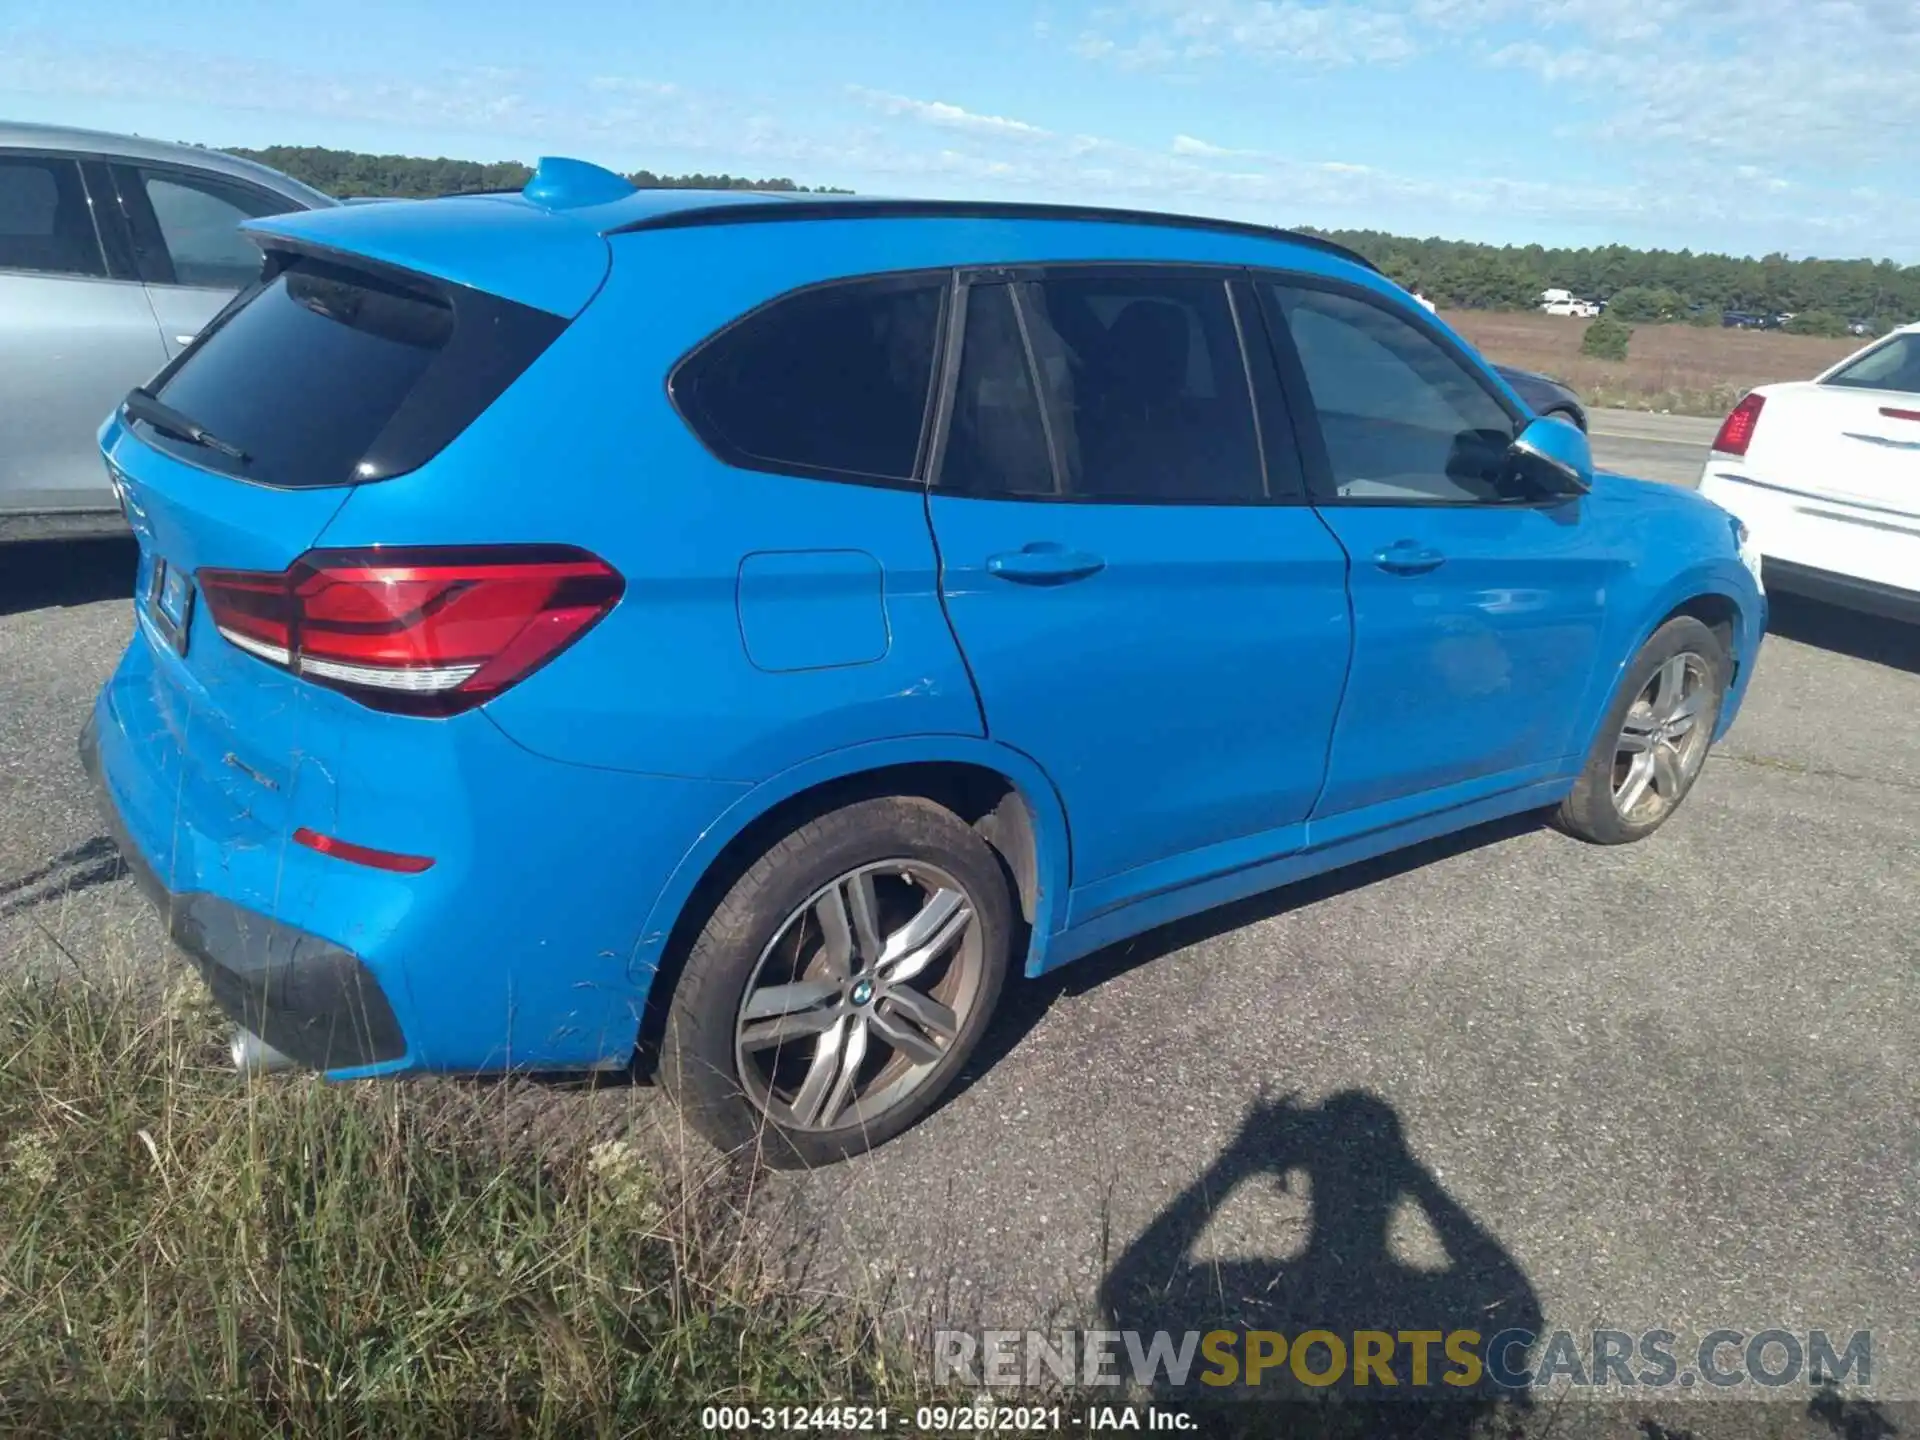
column 189, row 227
column 1096, row 385
column 1146, row 387
column 832, row 381
column 46, row 225
column 327, row 375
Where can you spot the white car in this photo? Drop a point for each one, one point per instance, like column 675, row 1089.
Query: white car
column 1826, row 475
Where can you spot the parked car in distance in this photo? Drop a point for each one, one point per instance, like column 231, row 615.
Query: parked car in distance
column 1826, row 473
column 1545, row 395
column 739, row 631
column 114, row 251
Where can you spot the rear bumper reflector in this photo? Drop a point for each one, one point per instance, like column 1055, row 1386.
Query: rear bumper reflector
column 363, row 854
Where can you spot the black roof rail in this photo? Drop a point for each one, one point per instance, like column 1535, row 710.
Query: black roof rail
column 754, row 212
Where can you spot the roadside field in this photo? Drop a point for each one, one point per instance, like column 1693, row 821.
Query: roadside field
column 1685, row 369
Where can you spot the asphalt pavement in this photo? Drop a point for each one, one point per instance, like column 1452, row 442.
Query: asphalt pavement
column 1668, row 1085
column 1669, row 448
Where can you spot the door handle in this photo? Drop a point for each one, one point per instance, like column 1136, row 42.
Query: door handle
column 1407, row 557
column 1044, row 563
column 183, row 340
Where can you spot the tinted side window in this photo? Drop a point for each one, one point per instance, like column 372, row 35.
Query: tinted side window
column 1402, row 418
column 199, row 220
column 45, row 224
column 829, row 381
column 1145, row 387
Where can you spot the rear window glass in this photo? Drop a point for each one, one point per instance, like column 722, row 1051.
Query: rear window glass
column 832, row 381
column 1893, row 365
column 326, row 375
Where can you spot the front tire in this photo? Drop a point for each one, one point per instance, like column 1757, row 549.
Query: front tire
column 1654, row 739
column 837, row 989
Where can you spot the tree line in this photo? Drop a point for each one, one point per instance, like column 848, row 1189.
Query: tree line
column 1638, row 285
column 345, row 173
column 1647, row 285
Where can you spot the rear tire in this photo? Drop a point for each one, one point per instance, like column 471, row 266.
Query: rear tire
column 838, row 988
column 1654, row 739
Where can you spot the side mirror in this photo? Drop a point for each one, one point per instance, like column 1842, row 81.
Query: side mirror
column 1554, row 457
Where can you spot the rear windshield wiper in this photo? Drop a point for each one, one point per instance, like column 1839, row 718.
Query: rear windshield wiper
column 141, row 404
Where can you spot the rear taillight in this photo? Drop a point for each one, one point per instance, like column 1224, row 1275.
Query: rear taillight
column 1736, row 431
column 427, row 631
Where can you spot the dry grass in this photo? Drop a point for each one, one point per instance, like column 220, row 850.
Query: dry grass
column 1682, row 369
column 181, row 1253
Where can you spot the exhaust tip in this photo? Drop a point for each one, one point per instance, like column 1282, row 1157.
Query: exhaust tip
column 254, row 1056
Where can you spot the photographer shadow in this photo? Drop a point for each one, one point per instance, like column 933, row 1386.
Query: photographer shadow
column 1359, row 1176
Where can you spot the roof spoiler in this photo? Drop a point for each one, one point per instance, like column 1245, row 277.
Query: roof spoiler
column 863, row 208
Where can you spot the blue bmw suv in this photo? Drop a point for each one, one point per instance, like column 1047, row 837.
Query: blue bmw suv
column 586, row 628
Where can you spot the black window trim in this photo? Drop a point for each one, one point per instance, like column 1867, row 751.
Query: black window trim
column 151, row 252
column 110, row 220
column 1315, row 461
column 106, row 260
column 1028, row 272
column 1275, row 432
column 737, row 459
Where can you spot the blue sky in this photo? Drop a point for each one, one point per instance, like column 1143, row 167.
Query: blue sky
column 1740, row 125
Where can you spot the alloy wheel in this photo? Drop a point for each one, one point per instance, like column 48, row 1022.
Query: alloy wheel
column 858, row 997
column 1662, row 744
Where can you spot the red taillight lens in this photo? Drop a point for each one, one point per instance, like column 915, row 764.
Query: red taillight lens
column 1736, row 431
column 424, row 631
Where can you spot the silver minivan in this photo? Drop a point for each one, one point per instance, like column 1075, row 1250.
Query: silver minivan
column 114, row 251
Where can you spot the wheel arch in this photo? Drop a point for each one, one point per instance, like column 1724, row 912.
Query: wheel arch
column 1718, row 612
column 1709, row 597
column 999, row 791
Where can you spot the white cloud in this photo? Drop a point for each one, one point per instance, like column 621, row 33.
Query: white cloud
column 951, row 117
column 632, row 85
column 1187, row 145
column 1166, row 33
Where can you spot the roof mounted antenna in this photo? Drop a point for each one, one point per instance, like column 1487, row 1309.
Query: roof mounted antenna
column 562, row 184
